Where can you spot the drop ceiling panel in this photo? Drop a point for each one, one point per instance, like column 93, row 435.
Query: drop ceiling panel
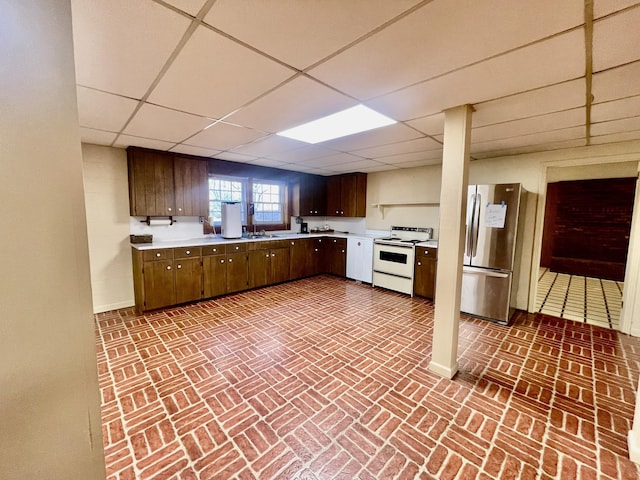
column 192, row 7
column 616, row 40
column 120, row 46
column 541, row 123
column 223, row 136
column 442, row 37
column 411, row 157
column 269, row 144
column 299, row 101
column 191, row 150
column 236, row 157
column 562, row 96
column 213, row 76
column 615, row 137
column 625, row 107
column 431, row 124
column 581, row 142
column 161, row 123
column 358, row 166
column 616, row 83
column 373, row 138
column 124, row 141
column 98, row 137
column 319, row 28
column 517, row 71
column 103, row 111
column 412, row 146
column 616, row 126
column 325, row 162
column 528, row 140
column 301, row 154
column 265, row 162
column 605, row 7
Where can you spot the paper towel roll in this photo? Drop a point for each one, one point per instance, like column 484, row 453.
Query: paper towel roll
column 159, row 221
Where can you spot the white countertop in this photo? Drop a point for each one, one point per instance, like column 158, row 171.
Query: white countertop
column 217, row 240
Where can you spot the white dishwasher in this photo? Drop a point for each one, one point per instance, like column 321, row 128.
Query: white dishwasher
column 360, row 258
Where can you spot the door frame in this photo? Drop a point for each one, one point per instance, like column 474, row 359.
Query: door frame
column 630, row 299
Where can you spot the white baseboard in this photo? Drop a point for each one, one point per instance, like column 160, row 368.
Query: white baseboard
column 634, row 447
column 442, row 370
column 113, row 306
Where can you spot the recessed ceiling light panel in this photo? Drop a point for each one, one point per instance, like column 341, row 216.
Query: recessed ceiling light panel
column 347, row 122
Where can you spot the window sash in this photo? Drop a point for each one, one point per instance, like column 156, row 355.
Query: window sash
column 268, row 204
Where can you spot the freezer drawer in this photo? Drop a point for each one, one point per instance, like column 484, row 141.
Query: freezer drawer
column 486, row 293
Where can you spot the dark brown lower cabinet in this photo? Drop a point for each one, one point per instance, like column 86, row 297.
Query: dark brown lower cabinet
column 279, row 268
column 424, row 281
column 214, row 275
column 299, row 257
column 337, row 256
column 270, row 264
column 237, row 272
column 188, row 278
column 259, row 265
column 159, row 284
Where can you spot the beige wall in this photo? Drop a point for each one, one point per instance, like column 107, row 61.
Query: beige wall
column 107, row 199
column 49, row 398
column 422, row 184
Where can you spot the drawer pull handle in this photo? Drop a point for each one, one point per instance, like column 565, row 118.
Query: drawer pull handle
column 158, row 254
column 179, row 266
column 188, row 252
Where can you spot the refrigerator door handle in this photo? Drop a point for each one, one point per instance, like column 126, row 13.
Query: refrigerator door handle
column 476, row 215
column 469, row 249
column 484, row 272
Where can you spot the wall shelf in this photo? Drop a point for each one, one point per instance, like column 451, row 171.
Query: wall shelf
column 383, row 205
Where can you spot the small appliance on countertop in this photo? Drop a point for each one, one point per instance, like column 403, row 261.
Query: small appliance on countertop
column 304, row 227
column 231, row 220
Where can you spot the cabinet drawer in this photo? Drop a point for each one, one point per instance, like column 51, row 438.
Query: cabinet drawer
column 338, row 242
column 157, row 254
column 213, row 250
column 187, row 252
column 426, row 252
column 236, row 247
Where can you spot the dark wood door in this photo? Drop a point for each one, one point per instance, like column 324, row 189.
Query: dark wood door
column 191, row 187
column 587, row 226
column 188, row 278
column 424, row 282
column 237, row 272
column 214, row 275
column 279, row 265
column 159, row 284
column 317, row 249
column 259, row 268
column 348, row 196
column 334, row 196
column 151, row 184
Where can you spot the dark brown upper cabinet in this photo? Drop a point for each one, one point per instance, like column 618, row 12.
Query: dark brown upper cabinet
column 161, row 184
column 347, row 195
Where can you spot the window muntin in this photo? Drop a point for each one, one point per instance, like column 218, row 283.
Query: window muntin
column 225, row 189
column 267, row 202
column 266, row 196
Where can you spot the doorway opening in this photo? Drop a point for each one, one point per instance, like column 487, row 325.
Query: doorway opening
column 585, row 242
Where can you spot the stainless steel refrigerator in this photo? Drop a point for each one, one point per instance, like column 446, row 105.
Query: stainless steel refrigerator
column 490, row 250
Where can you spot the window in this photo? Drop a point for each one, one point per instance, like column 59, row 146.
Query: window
column 225, row 189
column 267, row 202
column 265, row 196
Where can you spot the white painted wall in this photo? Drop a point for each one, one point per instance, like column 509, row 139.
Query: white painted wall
column 107, row 202
column 50, row 425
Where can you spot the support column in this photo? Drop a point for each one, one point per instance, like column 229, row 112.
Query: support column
column 453, row 206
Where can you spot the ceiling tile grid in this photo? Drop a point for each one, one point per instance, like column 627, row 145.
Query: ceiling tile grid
column 155, row 74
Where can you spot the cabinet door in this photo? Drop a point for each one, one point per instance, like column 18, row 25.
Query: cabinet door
column 337, row 256
column 317, row 262
column 280, row 260
column 188, row 272
column 424, row 282
column 313, row 196
column 159, row 284
column 334, row 196
column 214, row 275
column 237, row 272
column 191, row 187
column 354, row 194
column 259, row 265
column 151, row 184
column 297, row 259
